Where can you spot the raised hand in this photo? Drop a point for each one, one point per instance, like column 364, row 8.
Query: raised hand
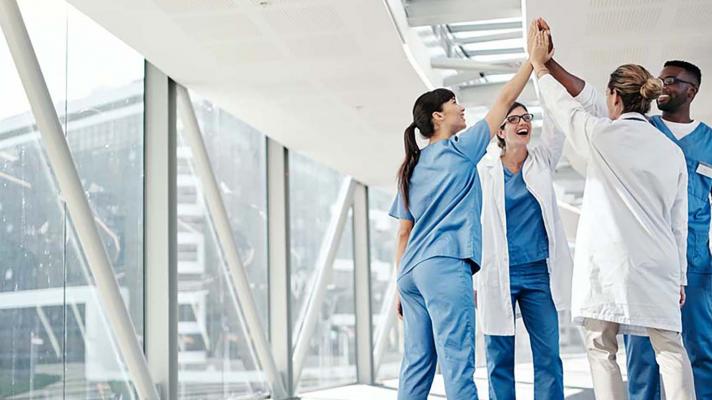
column 540, row 53
column 544, row 26
column 531, row 35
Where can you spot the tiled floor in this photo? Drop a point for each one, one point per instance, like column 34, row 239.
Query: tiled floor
column 577, row 384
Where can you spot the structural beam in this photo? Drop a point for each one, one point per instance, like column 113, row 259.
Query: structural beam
column 50, row 333
column 325, row 267
column 80, row 322
column 485, row 94
column 488, row 26
column 280, row 305
column 492, row 37
column 464, row 64
column 463, row 77
column 387, row 318
column 437, row 12
column 362, row 289
column 223, row 231
column 70, row 186
column 514, row 51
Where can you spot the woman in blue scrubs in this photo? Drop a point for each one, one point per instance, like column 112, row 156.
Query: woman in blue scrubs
column 439, row 244
column 526, row 259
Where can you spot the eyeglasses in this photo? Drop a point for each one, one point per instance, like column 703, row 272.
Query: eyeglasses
column 514, row 119
column 671, row 80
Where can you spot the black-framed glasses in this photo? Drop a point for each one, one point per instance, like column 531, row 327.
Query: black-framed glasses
column 671, row 80
column 514, row 119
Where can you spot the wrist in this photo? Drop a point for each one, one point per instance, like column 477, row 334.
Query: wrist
column 540, row 70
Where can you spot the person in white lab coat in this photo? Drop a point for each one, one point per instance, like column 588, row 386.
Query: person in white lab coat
column 630, row 263
column 681, row 82
column 525, row 254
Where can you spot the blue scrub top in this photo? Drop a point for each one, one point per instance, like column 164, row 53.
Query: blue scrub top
column 697, row 147
column 526, row 235
column 445, row 200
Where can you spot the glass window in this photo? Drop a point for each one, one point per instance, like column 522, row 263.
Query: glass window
column 215, row 356
column 60, row 337
column 382, row 234
column 313, row 194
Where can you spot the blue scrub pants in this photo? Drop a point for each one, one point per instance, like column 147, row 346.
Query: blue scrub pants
column 439, row 321
column 643, row 373
column 529, row 285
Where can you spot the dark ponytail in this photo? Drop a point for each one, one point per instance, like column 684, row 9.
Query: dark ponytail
column 423, row 110
column 412, row 154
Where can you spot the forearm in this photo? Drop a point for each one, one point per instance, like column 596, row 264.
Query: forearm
column 512, row 89
column 401, row 244
column 509, row 93
column 573, row 84
column 680, row 224
column 552, row 136
column 567, row 113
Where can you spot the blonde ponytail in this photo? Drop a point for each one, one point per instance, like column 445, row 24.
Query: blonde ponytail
column 651, row 89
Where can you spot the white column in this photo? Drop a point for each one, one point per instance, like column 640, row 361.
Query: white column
column 362, row 278
column 80, row 213
column 280, row 304
column 160, row 231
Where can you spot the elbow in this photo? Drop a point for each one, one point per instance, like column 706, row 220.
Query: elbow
column 404, row 233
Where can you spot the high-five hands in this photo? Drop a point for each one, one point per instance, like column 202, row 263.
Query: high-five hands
column 540, row 47
column 537, row 25
column 531, row 35
column 542, row 25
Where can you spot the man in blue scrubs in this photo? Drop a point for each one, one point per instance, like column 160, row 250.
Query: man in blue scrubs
column 681, row 83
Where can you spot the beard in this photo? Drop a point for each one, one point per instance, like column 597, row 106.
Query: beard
column 671, row 105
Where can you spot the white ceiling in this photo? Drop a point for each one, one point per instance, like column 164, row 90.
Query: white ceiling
column 331, row 79
column 326, row 78
column 593, row 37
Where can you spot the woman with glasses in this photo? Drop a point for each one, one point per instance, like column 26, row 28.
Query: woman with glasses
column 439, row 239
column 525, row 254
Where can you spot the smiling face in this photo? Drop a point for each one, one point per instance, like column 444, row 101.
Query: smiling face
column 516, row 133
column 451, row 118
column 679, row 93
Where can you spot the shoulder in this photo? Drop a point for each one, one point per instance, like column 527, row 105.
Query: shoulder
column 706, row 128
column 479, row 128
column 655, row 120
column 538, row 154
column 673, row 148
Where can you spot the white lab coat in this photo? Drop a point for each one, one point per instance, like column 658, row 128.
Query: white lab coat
column 494, row 302
column 632, row 236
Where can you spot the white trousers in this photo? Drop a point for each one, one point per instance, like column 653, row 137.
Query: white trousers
column 670, row 354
